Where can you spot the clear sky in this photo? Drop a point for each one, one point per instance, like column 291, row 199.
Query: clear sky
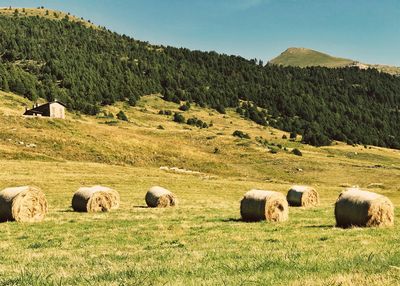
column 364, row 30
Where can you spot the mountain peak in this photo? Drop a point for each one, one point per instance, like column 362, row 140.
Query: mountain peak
column 303, row 57
column 297, row 50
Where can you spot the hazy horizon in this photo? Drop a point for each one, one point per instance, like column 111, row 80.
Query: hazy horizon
column 366, row 31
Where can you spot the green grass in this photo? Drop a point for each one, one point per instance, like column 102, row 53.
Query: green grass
column 202, row 241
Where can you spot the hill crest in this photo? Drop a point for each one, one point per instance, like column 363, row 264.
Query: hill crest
column 45, row 13
column 304, row 57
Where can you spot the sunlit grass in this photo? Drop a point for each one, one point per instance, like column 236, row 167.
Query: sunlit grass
column 202, row 241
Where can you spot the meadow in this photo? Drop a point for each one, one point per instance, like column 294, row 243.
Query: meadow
column 202, row 241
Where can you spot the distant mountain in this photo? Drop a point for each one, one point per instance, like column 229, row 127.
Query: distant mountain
column 302, row 57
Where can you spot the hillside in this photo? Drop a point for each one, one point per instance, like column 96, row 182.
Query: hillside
column 302, row 57
column 44, row 13
column 202, row 241
column 88, row 69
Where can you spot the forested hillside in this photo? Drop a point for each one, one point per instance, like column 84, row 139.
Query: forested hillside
column 87, row 68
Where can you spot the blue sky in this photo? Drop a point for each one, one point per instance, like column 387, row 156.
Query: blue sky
column 364, row 30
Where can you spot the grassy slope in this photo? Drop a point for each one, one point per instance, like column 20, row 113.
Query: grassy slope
column 201, row 241
column 52, row 14
column 302, row 57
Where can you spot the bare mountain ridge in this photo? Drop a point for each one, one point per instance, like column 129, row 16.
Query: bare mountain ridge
column 303, row 57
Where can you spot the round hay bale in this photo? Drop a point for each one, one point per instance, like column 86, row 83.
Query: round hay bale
column 259, row 205
column 355, row 207
column 302, row 196
column 158, row 197
column 92, row 199
column 22, row 204
column 115, row 198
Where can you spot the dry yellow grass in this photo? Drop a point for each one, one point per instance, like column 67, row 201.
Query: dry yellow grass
column 45, row 13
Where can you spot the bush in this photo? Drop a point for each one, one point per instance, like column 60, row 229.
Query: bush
column 179, row 118
column 297, row 152
column 122, row 116
column 165, row 112
column 111, row 123
column 185, row 107
column 132, row 101
column 284, row 136
column 293, row 135
column 220, row 109
column 191, row 121
column 160, row 127
column 274, row 150
column 196, row 122
column 241, row 134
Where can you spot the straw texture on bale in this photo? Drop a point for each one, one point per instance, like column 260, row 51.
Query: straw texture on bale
column 355, row 207
column 302, row 196
column 160, row 197
column 22, row 204
column 264, row 205
column 115, row 198
column 94, row 199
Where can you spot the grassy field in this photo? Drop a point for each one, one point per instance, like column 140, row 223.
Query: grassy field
column 202, row 241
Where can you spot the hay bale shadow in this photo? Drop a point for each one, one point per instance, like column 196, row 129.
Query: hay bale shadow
column 240, row 220
column 232, row 220
column 142, row 207
column 321, row 226
column 69, row 210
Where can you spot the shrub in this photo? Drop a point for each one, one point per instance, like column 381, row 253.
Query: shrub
column 273, row 150
column 132, row 101
column 179, row 118
column 293, row 135
column 191, row 121
column 185, row 107
column 111, row 123
column 160, row 127
column 241, row 134
column 220, row 109
column 165, row 112
column 196, row 122
column 297, row 152
column 284, row 136
column 122, row 116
